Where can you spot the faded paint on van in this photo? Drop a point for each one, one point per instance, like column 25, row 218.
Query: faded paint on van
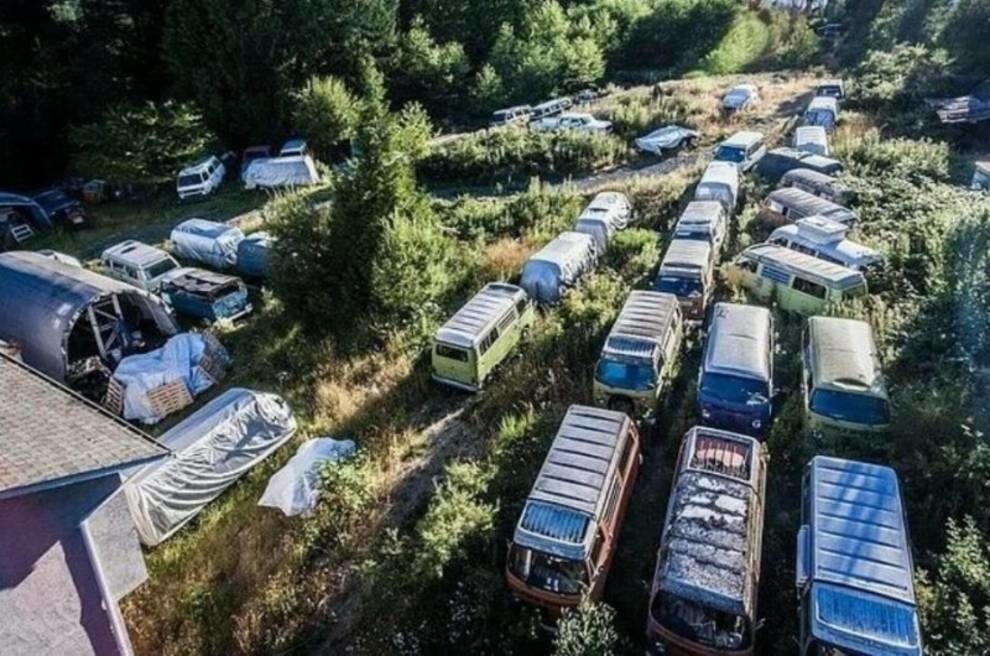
column 687, row 272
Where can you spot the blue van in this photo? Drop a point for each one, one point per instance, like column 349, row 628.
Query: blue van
column 207, row 295
column 854, row 574
column 735, row 385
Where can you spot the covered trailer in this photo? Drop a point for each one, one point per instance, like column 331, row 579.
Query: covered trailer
column 74, row 325
column 211, row 243
column 557, row 266
column 212, row 448
column 295, row 171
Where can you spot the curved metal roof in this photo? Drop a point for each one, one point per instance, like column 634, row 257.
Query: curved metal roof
column 472, row 322
column 646, row 316
column 566, row 247
column 843, row 354
column 739, row 340
column 686, row 253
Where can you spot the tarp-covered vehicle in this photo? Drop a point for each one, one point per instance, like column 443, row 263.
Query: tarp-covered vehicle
column 557, row 266
column 212, row 448
column 206, row 295
column 74, row 325
column 779, row 161
column 279, row 172
column 253, row 253
column 214, row 244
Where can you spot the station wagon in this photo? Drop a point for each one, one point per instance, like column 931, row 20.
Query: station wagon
column 640, row 353
column 688, row 272
column 567, row 532
column 797, row 282
column 854, row 574
column 480, row 335
column 842, row 383
column 703, row 600
column 735, row 384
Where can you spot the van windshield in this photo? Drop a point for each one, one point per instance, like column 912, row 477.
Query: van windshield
column 546, row 572
column 698, row 624
column 730, row 154
column 190, row 180
column 844, row 406
column 682, row 287
column 735, row 389
column 160, row 267
column 626, row 374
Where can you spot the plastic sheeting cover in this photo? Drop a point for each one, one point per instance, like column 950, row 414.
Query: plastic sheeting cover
column 178, row 360
column 557, row 265
column 212, row 448
column 281, row 172
column 295, row 488
column 214, row 244
column 252, row 254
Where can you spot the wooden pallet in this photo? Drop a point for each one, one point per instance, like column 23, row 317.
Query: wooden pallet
column 164, row 399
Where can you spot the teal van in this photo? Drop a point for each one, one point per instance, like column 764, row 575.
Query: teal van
column 480, row 335
column 640, row 353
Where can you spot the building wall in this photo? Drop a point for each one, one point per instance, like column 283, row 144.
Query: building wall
column 53, row 598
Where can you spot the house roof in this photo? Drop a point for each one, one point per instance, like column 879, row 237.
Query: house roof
column 50, row 436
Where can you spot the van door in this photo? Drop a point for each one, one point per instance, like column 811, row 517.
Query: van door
column 807, row 297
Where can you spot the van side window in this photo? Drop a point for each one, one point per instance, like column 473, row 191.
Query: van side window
column 747, row 265
column 801, row 248
column 808, row 287
column 489, row 339
column 613, row 501
column 507, row 321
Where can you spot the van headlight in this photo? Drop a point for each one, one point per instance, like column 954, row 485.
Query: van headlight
column 706, row 413
column 757, row 423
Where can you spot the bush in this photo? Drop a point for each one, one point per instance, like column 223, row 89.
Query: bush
column 898, row 79
column 517, row 154
column 428, row 72
column 541, row 208
column 633, row 253
column 676, row 34
column 586, row 631
column 141, row 143
column 326, row 113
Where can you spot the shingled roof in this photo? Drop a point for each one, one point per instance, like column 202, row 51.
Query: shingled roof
column 50, row 436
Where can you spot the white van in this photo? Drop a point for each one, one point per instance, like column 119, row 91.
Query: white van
column 138, row 264
column 720, row 182
column 200, row 178
column 812, row 139
column 744, row 149
column 550, row 108
column 826, row 239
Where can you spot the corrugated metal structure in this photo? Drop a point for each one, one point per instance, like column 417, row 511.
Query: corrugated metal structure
column 786, row 261
column 643, row 323
column 739, row 341
column 808, row 204
column 855, row 571
column 570, row 491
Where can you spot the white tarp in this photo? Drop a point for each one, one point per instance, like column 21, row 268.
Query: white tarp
column 179, row 359
column 281, row 172
column 214, row 244
column 295, row 488
column 211, row 449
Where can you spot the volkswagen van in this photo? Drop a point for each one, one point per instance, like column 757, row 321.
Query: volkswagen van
column 688, row 272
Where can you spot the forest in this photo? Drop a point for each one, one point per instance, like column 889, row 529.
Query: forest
column 406, row 551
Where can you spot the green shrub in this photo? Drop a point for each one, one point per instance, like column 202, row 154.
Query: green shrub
column 423, row 70
column 676, row 33
column 326, row 112
column 141, row 143
column 746, row 41
column 899, row 78
column 633, row 253
column 587, row 630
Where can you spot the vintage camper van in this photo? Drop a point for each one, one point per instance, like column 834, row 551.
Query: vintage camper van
column 703, row 600
column 843, row 386
column 790, row 204
column 744, row 149
column 138, row 264
column 826, row 240
column 703, row 220
column 640, row 353
column 818, row 184
column 563, row 544
column 797, row 282
column 550, row 271
column 812, row 139
column 854, row 574
column 480, row 335
column 688, row 272
column 779, row 161
column 720, row 182
column 822, row 111
column 735, row 384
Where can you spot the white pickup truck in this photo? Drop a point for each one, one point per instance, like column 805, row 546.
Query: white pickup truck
column 578, row 121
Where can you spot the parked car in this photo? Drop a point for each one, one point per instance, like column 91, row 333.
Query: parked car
column 822, row 111
column 704, row 220
column 203, row 294
column 794, row 281
column 744, row 149
column 811, row 139
column 740, row 97
column 703, row 601
column 855, row 574
column 294, row 148
column 577, row 121
column 735, row 384
column 779, row 161
column 253, row 153
column 640, row 353
column 826, row 239
column 568, row 529
column 63, row 209
column 200, row 178
column 517, row 114
column 550, row 108
column 720, row 182
column 669, row 137
column 480, row 336
column 138, row 264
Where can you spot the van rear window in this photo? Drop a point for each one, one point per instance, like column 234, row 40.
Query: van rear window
column 452, row 353
column 190, row 180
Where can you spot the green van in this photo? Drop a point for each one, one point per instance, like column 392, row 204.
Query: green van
column 842, row 384
column 640, row 353
column 480, row 335
column 799, row 283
